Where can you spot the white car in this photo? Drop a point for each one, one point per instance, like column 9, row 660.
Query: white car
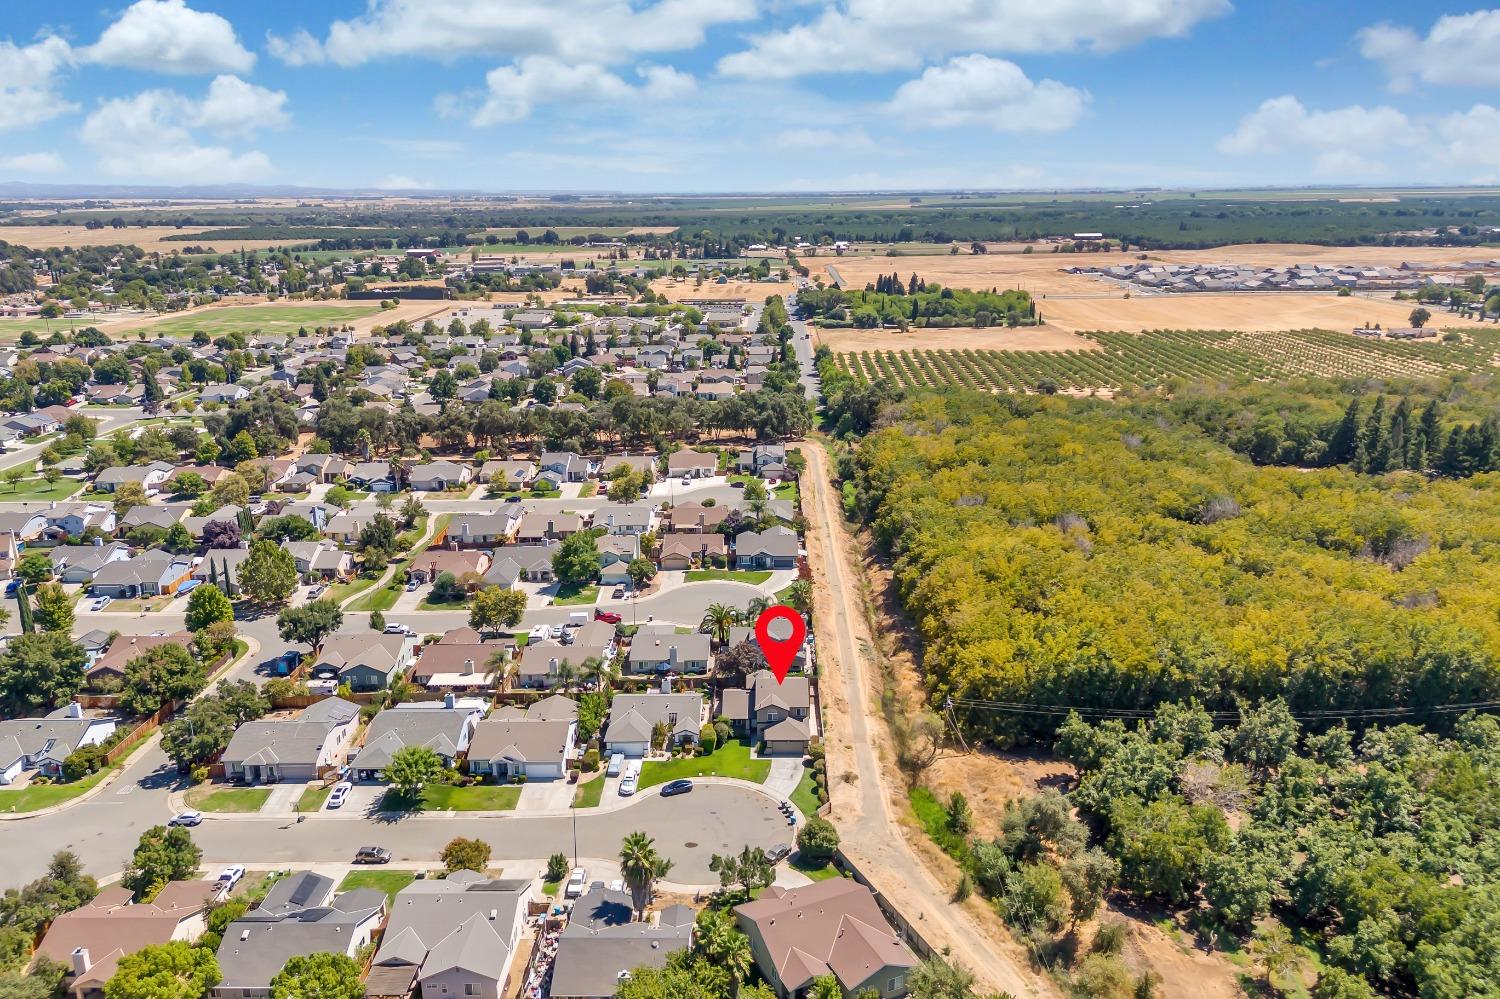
column 186, row 819
column 340, row 792
column 556, row 631
column 397, row 629
column 687, row 481
column 102, row 603
column 576, row 882
column 229, row 877
column 618, row 884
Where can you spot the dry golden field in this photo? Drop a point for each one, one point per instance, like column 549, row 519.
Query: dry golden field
column 963, row 338
column 150, row 238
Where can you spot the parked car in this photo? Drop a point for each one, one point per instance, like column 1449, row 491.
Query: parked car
column 372, row 855
column 188, row 818
column 680, row 786
column 411, row 587
column 575, row 883
column 779, row 853
column 512, row 499
column 608, row 617
column 736, row 485
column 618, row 884
column 631, row 778
column 339, row 794
column 687, row 481
column 102, row 603
column 229, row 877
column 619, row 592
column 316, row 592
column 397, row 629
column 556, row 631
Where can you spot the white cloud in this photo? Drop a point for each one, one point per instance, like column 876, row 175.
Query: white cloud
column 401, row 182
column 1342, row 139
column 514, row 91
column 28, row 82
column 1460, row 50
column 32, row 163
column 168, row 36
column 148, row 136
column 1473, row 139
column 432, row 149
column 883, row 35
column 827, row 139
column 992, row 93
column 234, row 107
column 587, row 31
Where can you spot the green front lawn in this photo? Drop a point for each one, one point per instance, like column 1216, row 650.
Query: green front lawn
column 387, row 881
column 730, row 760
column 754, row 577
column 207, row 798
column 37, row 797
column 805, row 797
column 568, row 596
column 445, row 798
column 786, row 491
column 339, row 592
column 816, row 871
column 382, row 599
column 588, row 793
column 133, row 606
column 429, row 604
column 312, row 799
column 39, row 489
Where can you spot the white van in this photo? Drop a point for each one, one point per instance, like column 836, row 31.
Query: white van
column 616, row 762
column 632, row 776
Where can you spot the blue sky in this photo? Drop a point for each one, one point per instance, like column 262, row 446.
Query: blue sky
column 725, row 95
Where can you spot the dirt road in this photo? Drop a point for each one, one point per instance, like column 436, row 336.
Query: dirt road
column 867, row 808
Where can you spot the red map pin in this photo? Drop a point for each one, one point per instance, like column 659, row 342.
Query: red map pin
column 780, row 652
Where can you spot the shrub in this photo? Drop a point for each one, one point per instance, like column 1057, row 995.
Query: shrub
column 818, row 839
column 708, row 739
column 557, row 867
column 590, row 761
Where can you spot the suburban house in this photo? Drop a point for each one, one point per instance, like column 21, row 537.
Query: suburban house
column 455, row 936
column 224, row 515
column 149, row 574
column 633, row 717
column 41, row 745
column 695, row 518
column 320, row 560
column 441, row 726
column 541, row 662
column 299, row 916
column 346, row 527
column 123, row 648
column 432, row 563
column 683, row 550
column 776, row 713
column 538, row 526
column 149, row 476
column 601, row 944
column 438, row 476
column 479, row 530
column 365, row 660
column 22, row 525
column 160, row 517
column 691, row 464
column 372, row 475
column 640, row 464
column 567, row 466
column 616, row 552
column 221, row 566
column 833, row 927
column 659, row 649
column 295, row 749
column 521, row 747
column 79, row 563
column 512, row 474
column 324, row 468
column 73, row 520
column 773, row 548
column 92, row 938
column 553, row 707
column 521, row 564
column 456, row 665
column 626, row 518
column 766, row 460
column 223, row 393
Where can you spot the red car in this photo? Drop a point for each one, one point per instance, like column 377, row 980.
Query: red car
column 608, row 617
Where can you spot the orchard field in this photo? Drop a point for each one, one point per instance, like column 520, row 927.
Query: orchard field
column 1134, row 360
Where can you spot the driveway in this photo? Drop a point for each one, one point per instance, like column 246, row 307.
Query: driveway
column 545, row 796
column 283, row 799
column 786, row 774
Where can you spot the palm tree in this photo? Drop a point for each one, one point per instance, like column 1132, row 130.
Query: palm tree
column 411, row 510
column 799, row 595
column 641, row 867
column 717, row 621
column 754, row 609
column 567, row 675
column 825, row 987
column 597, row 671
column 726, row 947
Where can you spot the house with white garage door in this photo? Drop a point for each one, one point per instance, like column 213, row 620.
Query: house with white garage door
column 633, row 718
column 503, row 748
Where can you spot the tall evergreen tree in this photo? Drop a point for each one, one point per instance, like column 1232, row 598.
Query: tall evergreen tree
column 23, row 607
column 1451, row 462
column 1345, row 437
column 1372, row 439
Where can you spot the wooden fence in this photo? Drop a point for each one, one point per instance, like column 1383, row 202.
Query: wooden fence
column 893, row 915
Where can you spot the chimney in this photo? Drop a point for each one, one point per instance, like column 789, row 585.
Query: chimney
column 75, row 710
column 466, row 528
column 81, row 962
column 672, row 656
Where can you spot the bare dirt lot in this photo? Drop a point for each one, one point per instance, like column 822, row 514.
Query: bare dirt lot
column 1252, row 312
column 152, row 238
column 965, row 338
column 750, row 291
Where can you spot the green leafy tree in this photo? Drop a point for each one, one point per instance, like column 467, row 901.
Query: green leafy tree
column 268, row 575
column 496, row 609
column 35, row 568
column 576, row 560
column 128, row 496
column 199, row 734
column 310, row 623
column 162, row 855
column 206, row 605
column 318, row 976
column 39, row 672
column 641, row 572
column 160, row 675
column 54, row 608
column 748, row 870
column 411, row 769
column 936, row 978
column 175, row 970
column 466, row 855
column 177, row 538
column 818, row 840
column 62, row 889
